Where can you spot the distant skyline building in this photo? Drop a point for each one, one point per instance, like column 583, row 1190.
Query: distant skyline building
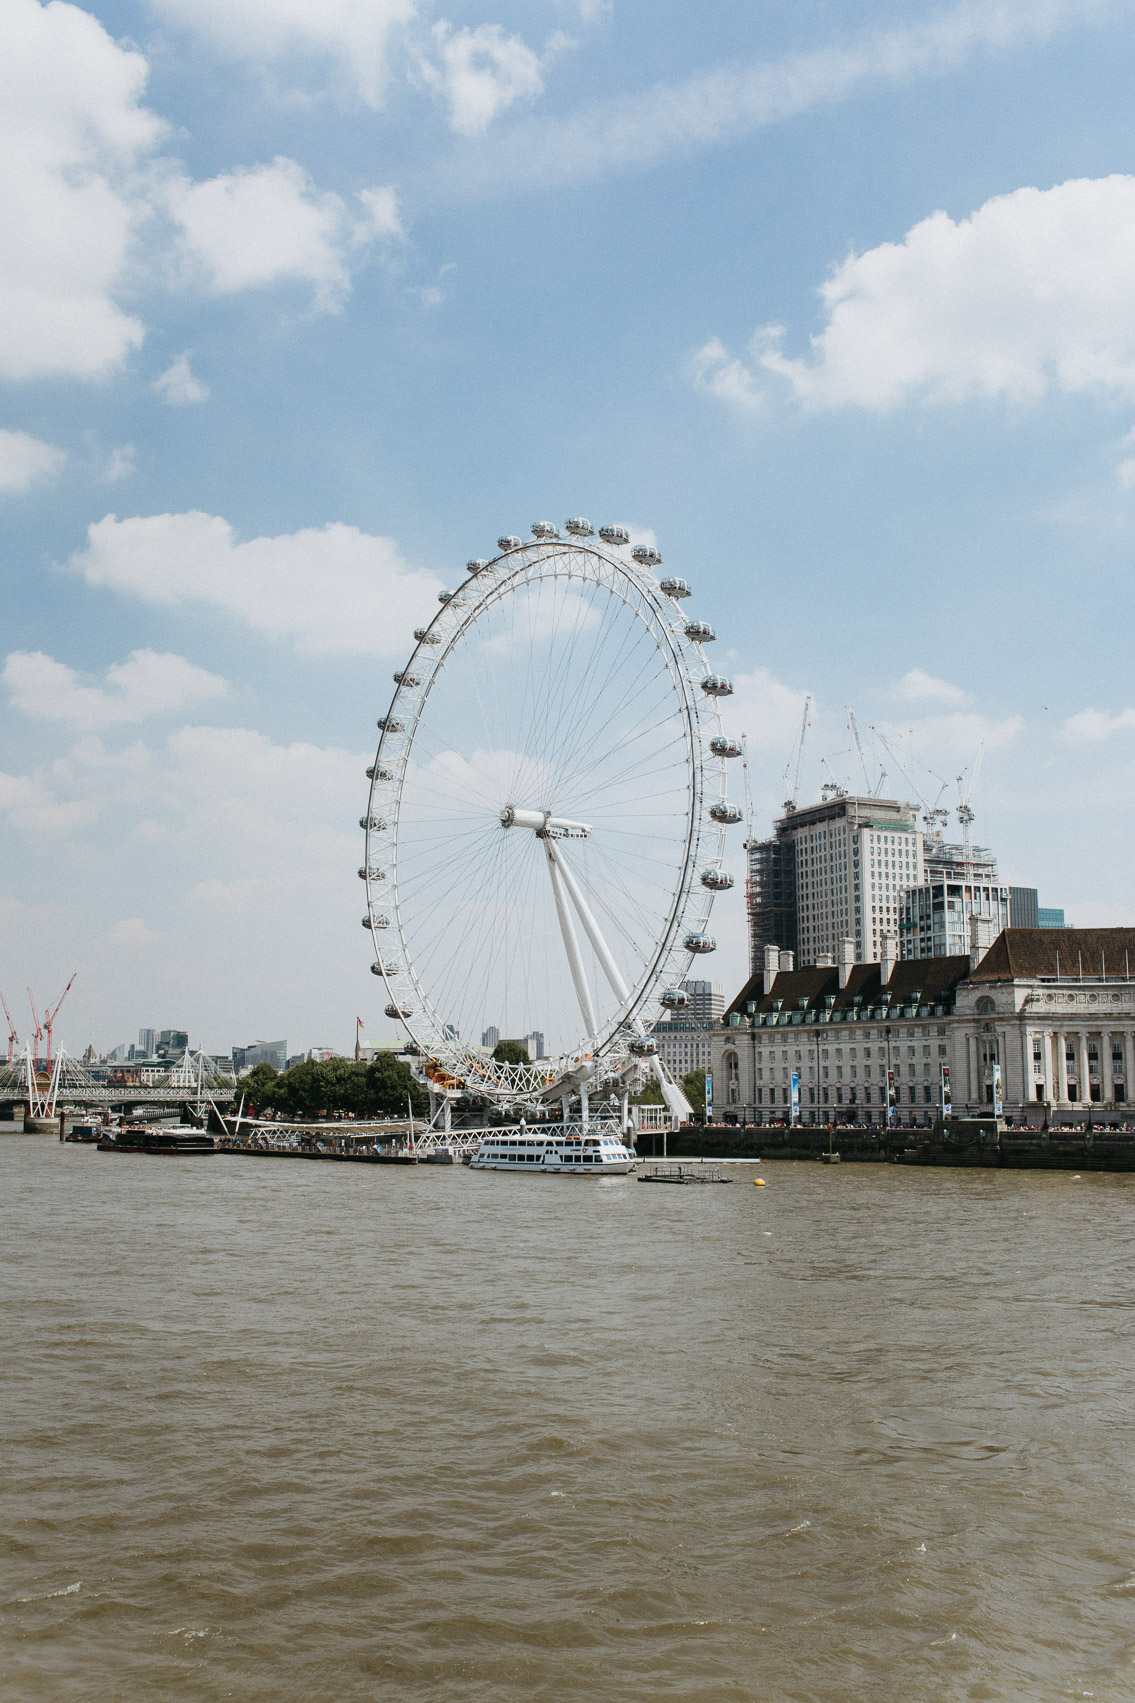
column 1048, row 916
column 958, row 886
column 171, row 1043
column 830, row 872
column 147, row 1043
column 274, row 1053
column 1023, row 908
column 490, row 1037
column 685, row 1041
column 536, row 1044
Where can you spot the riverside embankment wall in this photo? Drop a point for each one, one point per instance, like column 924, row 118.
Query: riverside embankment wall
column 1052, row 1150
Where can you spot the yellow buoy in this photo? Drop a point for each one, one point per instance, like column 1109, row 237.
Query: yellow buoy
column 758, row 1182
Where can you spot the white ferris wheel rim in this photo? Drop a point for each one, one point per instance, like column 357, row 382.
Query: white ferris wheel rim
column 420, row 1008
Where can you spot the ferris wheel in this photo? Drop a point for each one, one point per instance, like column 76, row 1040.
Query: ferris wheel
column 547, row 817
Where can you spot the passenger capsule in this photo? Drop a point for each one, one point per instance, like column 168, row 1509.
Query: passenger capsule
column 444, row 596
column 393, row 1010
column 372, row 874
column 509, row 542
column 717, row 686
column 476, row 566
column 675, row 587
column 701, row 631
column 723, row 811
column 375, row 823
column 723, row 747
column 675, row 999
column 389, row 724
column 544, row 529
column 366, row 920
column 579, row 528
column 615, row 535
column 717, row 880
column 646, row 556
column 380, row 920
column 700, row 943
column 642, row 1046
column 424, row 636
column 379, row 772
column 404, row 678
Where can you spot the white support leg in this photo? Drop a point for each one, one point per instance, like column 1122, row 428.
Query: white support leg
column 590, row 926
column 571, row 941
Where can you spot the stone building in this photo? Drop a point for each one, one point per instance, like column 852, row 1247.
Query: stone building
column 1040, row 1021
column 848, row 1032
column 1054, row 1012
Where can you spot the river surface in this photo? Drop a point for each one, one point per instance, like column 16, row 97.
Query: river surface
column 314, row 1433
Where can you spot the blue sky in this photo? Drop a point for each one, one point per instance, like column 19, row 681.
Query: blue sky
column 302, row 306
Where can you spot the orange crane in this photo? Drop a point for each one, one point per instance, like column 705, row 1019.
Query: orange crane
column 13, row 1038
column 50, row 1016
column 38, row 1031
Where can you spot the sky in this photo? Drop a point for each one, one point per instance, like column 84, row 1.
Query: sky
column 302, row 306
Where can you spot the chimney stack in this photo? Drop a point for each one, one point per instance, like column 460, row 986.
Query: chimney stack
column 772, row 965
column 788, row 960
column 981, row 937
column 888, row 958
column 824, row 961
column 846, row 960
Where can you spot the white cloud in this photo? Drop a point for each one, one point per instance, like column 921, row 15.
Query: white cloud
column 482, row 72
column 120, row 463
column 72, row 134
column 643, row 128
column 30, row 805
column 179, row 386
column 332, row 591
column 1094, row 726
column 917, row 687
column 765, row 710
column 250, row 228
column 24, row 460
column 357, row 34
column 146, row 684
column 128, row 932
column 1035, row 292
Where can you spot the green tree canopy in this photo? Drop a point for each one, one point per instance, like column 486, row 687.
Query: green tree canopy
column 257, row 1085
column 336, row 1085
column 510, row 1052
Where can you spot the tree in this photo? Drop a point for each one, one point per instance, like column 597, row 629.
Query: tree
column 388, row 1083
column 510, row 1052
column 257, row 1085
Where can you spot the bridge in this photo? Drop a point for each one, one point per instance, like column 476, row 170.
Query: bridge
column 193, row 1081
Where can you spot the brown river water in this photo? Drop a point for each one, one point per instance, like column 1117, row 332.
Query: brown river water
column 287, row 1432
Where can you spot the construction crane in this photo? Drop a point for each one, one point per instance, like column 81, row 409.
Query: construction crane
column 793, row 799
column 50, row 1016
column 833, row 788
column 859, row 747
column 934, row 818
column 13, row 1038
column 965, row 812
column 38, row 1029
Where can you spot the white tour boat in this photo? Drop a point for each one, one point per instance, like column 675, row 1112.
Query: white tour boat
column 593, row 1153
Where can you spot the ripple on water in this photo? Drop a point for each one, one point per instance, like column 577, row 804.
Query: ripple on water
column 285, row 1433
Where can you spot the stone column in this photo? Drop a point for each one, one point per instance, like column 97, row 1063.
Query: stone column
column 1061, row 1080
column 1105, row 1064
column 971, row 1070
column 1082, row 1056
